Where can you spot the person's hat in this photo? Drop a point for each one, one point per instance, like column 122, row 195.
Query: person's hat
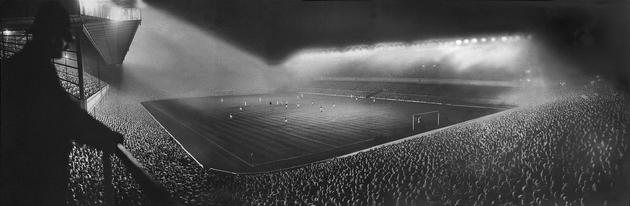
column 52, row 19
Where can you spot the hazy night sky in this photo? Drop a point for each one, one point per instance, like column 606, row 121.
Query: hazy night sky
column 592, row 35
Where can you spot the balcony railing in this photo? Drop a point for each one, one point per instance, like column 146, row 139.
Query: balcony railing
column 156, row 193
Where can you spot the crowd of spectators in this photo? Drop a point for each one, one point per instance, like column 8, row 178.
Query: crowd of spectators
column 566, row 151
column 69, row 81
column 558, row 152
column 155, row 149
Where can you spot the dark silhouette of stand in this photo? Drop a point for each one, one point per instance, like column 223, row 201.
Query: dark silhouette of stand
column 39, row 119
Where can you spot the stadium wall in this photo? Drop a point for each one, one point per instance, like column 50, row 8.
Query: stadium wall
column 93, row 100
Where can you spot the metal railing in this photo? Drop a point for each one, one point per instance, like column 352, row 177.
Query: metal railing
column 151, row 188
column 68, row 70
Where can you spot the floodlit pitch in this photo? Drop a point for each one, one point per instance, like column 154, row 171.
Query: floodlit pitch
column 228, row 135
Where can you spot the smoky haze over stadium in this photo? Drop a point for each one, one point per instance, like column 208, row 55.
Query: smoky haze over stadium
column 252, row 42
column 348, row 102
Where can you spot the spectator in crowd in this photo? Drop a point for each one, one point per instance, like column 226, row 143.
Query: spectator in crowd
column 39, row 119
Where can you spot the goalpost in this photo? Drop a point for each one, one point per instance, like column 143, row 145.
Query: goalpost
column 425, row 121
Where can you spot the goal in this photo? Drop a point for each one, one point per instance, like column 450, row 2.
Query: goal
column 425, row 121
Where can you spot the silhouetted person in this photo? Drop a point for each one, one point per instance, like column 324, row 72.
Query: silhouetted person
column 39, row 119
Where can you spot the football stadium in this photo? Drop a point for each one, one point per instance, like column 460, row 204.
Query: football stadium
column 309, row 102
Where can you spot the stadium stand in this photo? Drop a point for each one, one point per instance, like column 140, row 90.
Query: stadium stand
column 555, row 152
column 434, row 70
column 570, row 147
column 565, row 151
column 92, row 84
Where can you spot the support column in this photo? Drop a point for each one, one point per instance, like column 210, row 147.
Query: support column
column 82, row 99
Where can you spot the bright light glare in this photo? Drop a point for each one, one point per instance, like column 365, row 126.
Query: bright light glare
column 117, row 14
column 141, row 4
column 107, row 9
column 181, row 59
column 6, row 32
column 504, row 38
column 483, row 39
column 89, row 5
column 508, row 55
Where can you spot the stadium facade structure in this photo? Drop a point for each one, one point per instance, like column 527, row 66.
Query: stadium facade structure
column 101, row 42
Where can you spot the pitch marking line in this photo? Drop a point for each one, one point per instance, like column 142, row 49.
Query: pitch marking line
column 172, row 137
column 425, row 134
column 208, row 140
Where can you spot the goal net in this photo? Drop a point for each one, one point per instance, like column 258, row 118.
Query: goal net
column 425, row 121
